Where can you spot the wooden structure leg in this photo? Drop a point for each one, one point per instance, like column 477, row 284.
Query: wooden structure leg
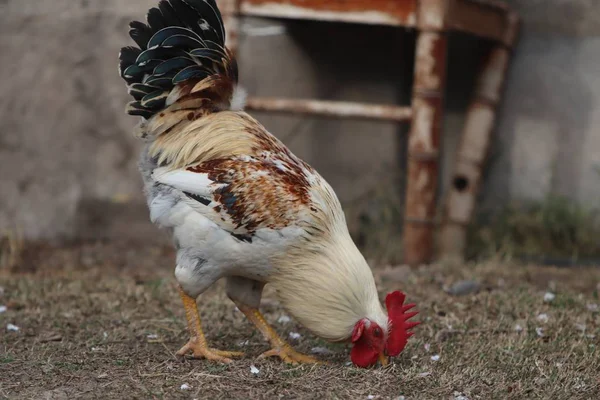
column 473, row 149
column 424, row 135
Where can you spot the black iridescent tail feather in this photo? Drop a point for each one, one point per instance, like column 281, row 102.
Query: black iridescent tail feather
column 182, row 43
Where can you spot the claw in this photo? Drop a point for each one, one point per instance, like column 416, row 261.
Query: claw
column 290, row 356
column 200, row 350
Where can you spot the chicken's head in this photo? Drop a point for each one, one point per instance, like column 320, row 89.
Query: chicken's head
column 372, row 341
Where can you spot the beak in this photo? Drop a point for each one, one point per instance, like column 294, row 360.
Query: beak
column 383, row 359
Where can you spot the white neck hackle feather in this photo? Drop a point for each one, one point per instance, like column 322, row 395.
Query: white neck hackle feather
column 325, row 283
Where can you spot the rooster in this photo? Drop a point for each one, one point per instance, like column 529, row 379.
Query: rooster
column 238, row 203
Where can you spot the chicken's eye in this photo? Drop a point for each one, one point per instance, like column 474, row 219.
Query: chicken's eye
column 377, row 332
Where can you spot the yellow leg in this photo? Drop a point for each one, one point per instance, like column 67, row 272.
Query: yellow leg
column 279, row 347
column 197, row 344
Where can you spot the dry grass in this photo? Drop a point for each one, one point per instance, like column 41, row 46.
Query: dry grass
column 11, row 248
column 85, row 314
column 555, row 229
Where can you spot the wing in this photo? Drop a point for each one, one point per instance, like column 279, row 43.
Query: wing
column 246, row 195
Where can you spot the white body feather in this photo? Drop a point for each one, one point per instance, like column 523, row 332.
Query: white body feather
column 325, row 283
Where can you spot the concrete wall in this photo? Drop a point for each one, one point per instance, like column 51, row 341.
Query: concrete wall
column 68, row 162
column 548, row 137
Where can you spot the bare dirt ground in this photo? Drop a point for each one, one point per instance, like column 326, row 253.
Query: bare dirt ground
column 104, row 321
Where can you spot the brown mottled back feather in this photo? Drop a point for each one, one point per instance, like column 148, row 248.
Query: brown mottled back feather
column 258, row 193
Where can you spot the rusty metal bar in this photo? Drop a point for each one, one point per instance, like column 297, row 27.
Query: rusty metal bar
column 424, row 136
column 378, row 12
column 473, row 148
column 484, row 18
column 339, row 109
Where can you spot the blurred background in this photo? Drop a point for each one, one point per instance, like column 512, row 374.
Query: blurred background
column 68, row 161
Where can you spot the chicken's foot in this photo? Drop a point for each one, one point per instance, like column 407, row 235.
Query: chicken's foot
column 197, row 344
column 279, row 346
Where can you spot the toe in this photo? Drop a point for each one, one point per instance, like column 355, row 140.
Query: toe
column 199, row 351
column 184, row 350
column 270, row 353
column 307, row 359
column 225, row 353
column 289, row 356
column 214, row 357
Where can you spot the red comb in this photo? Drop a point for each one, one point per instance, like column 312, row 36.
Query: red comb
column 399, row 324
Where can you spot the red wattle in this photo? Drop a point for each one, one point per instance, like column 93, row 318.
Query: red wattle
column 363, row 355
